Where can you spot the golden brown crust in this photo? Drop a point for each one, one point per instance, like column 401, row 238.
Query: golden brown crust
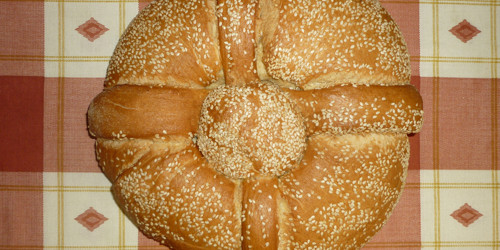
column 120, row 112
column 323, row 89
column 170, row 43
column 117, row 155
column 307, row 45
column 179, row 201
column 317, row 44
column 241, row 134
column 344, row 109
column 237, row 40
column 145, row 112
column 344, row 189
column 259, row 224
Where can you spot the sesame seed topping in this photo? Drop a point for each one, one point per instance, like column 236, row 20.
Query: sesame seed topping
column 242, row 135
column 334, row 164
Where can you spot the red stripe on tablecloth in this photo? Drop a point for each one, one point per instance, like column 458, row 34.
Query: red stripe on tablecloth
column 21, row 117
column 144, row 3
column 415, row 139
column 147, row 244
column 464, row 124
column 21, row 219
column 78, row 146
column 21, row 40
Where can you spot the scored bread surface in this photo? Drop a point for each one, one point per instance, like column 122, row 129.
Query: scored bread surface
column 257, row 124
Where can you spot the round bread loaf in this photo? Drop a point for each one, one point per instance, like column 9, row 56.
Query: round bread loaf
column 257, row 124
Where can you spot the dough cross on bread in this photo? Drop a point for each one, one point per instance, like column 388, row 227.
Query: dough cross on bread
column 257, row 124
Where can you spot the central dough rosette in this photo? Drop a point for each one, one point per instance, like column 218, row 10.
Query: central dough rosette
column 251, row 130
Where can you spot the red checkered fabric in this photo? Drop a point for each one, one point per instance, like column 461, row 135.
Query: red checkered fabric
column 53, row 57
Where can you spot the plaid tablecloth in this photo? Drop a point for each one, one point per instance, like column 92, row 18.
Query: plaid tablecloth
column 53, row 57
